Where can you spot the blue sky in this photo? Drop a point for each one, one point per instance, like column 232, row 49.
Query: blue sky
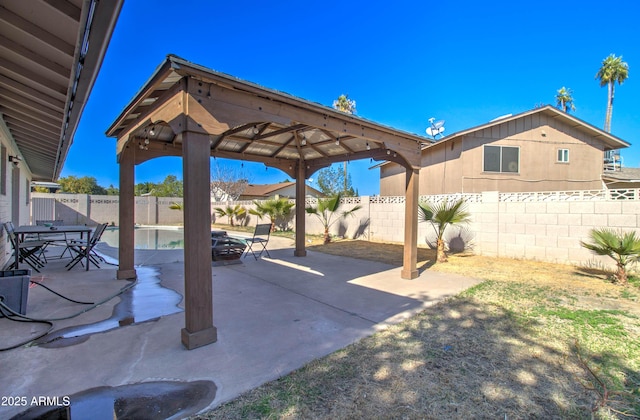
column 465, row 62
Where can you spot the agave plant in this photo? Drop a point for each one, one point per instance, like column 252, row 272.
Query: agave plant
column 623, row 247
column 276, row 209
column 231, row 212
column 440, row 216
column 326, row 210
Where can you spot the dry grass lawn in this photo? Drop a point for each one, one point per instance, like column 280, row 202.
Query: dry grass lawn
column 534, row 340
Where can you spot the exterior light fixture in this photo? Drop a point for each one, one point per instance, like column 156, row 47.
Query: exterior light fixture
column 388, row 151
column 368, row 147
column 152, row 132
column 15, row 160
column 255, row 130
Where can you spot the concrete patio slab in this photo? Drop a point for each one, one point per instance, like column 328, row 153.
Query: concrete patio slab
column 273, row 316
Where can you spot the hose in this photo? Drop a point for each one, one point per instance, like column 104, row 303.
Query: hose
column 11, row 315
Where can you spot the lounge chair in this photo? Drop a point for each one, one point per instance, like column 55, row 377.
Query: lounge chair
column 260, row 236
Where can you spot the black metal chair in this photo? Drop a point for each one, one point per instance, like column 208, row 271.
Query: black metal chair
column 261, row 236
column 57, row 239
column 28, row 251
column 84, row 248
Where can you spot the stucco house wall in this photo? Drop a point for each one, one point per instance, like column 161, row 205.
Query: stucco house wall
column 14, row 192
column 455, row 164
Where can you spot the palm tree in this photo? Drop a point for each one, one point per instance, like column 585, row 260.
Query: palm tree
column 564, row 99
column 276, row 208
column 624, row 248
column 440, row 216
column 344, row 104
column 613, row 70
column 231, row 212
column 326, row 210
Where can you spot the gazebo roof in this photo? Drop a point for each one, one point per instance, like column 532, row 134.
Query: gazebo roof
column 246, row 121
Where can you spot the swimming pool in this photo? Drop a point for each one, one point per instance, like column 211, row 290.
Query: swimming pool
column 149, row 237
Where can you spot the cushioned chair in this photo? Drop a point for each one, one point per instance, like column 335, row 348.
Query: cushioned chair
column 261, row 237
column 81, row 248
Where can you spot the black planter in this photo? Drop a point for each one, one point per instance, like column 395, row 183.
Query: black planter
column 14, row 289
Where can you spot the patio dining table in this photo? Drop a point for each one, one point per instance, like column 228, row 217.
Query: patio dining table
column 41, row 231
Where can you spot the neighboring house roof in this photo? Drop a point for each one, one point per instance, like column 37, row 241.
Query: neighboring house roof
column 624, row 175
column 267, row 190
column 50, row 52
column 611, row 142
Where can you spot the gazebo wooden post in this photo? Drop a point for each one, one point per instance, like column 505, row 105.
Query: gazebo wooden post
column 301, row 192
column 410, row 258
column 126, row 211
column 199, row 329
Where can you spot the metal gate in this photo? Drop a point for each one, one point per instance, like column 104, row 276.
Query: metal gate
column 42, row 209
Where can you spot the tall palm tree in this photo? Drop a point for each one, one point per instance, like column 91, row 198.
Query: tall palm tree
column 441, row 215
column 564, row 99
column 325, row 211
column 624, row 248
column 613, row 70
column 344, row 104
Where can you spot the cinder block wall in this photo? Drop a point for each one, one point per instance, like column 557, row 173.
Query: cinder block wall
column 514, row 225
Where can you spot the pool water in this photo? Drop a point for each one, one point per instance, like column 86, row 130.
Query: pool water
column 152, row 237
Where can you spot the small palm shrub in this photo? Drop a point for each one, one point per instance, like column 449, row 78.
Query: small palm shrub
column 327, row 212
column 622, row 247
column 278, row 209
column 236, row 211
column 441, row 215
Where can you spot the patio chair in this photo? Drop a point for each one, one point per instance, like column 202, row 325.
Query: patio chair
column 82, row 248
column 59, row 239
column 261, row 237
column 28, row 251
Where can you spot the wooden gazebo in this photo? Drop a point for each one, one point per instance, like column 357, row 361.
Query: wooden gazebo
column 190, row 111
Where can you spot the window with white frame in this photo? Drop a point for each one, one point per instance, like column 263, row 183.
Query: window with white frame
column 501, row 159
column 563, row 155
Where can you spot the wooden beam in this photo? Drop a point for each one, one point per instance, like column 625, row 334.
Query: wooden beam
column 32, row 93
column 237, row 108
column 30, row 105
column 301, row 192
column 126, row 211
column 55, row 85
column 169, row 109
column 17, row 109
column 27, row 118
column 66, row 8
column 38, row 59
column 410, row 256
column 31, row 29
column 32, row 130
column 199, row 329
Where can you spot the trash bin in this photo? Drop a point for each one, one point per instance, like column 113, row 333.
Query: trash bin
column 14, row 289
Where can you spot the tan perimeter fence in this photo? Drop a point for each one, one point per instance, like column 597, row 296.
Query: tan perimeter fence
column 546, row 226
